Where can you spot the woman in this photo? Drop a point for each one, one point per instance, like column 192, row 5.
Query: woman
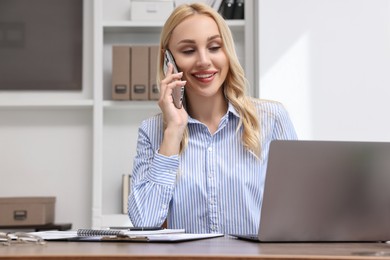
column 202, row 166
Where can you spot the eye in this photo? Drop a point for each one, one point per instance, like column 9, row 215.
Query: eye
column 215, row 48
column 188, row 51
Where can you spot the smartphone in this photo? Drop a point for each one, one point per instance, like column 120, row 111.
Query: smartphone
column 178, row 92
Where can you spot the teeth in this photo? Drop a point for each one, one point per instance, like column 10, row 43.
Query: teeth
column 203, row 76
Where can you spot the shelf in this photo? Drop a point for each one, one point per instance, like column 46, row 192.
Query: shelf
column 152, row 26
column 132, row 104
column 108, row 104
column 116, row 122
column 22, row 104
column 130, row 26
column 236, row 23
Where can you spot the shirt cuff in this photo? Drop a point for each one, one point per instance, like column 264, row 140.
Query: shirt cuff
column 164, row 169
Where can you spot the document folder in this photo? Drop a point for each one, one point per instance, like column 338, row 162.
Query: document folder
column 154, row 92
column 120, row 72
column 139, row 73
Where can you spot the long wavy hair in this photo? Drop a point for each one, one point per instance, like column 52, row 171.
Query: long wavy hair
column 235, row 85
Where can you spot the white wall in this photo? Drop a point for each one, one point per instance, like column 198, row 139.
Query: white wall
column 328, row 61
column 48, row 153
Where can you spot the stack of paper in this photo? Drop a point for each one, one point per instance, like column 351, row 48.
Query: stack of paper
column 163, row 235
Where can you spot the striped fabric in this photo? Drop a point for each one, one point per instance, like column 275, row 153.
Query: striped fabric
column 216, row 185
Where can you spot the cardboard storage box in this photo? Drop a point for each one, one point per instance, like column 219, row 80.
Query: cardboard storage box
column 151, row 10
column 24, row 211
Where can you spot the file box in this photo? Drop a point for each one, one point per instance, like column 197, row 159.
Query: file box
column 157, row 10
column 26, row 211
column 139, row 80
column 121, row 57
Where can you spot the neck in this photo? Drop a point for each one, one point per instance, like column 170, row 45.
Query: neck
column 208, row 110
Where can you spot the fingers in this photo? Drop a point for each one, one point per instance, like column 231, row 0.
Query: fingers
column 167, row 89
column 171, row 81
column 172, row 76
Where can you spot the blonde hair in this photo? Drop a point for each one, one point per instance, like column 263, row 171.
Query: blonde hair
column 235, row 82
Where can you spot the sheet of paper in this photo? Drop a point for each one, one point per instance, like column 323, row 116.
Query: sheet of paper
column 55, row 235
column 180, row 237
column 161, row 237
column 153, row 232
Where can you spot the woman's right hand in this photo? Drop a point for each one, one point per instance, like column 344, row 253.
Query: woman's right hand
column 175, row 120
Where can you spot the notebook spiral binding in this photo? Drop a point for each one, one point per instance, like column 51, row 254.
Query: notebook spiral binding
column 98, row 232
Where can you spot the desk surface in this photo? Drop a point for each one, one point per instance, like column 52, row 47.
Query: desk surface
column 216, row 248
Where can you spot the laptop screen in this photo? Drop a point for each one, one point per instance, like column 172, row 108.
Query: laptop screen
column 326, row 191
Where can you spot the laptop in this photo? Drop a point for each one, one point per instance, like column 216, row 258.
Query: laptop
column 326, row 191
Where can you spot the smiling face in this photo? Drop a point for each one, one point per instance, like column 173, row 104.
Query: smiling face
column 198, row 49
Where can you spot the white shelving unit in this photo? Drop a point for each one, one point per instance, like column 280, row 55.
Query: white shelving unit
column 116, row 122
column 82, row 141
column 46, row 104
column 45, row 140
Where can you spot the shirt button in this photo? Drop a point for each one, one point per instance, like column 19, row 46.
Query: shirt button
column 164, row 206
column 209, row 149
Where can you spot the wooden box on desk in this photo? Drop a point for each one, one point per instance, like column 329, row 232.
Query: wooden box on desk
column 23, row 211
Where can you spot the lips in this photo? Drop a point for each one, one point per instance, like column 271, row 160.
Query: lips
column 204, row 76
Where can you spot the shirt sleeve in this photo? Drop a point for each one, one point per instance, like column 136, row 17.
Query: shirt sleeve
column 153, row 181
column 284, row 128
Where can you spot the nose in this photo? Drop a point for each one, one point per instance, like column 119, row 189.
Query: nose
column 204, row 60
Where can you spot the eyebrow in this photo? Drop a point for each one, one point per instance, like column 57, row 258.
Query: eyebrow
column 208, row 39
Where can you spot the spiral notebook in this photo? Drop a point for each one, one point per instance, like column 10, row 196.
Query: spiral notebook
column 124, row 232
column 107, row 235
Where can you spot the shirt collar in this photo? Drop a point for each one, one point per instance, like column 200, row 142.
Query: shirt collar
column 231, row 110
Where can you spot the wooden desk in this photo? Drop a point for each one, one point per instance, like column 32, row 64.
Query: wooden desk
column 216, row 248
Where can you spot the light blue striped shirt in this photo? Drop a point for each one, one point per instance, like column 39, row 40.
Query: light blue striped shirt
column 215, row 185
